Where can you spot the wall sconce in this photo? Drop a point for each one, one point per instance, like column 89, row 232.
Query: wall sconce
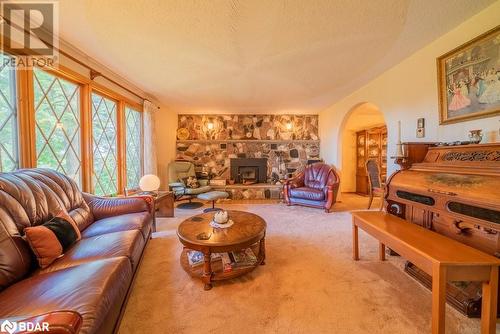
column 210, row 126
column 289, row 126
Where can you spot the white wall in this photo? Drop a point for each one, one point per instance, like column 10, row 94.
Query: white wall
column 407, row 92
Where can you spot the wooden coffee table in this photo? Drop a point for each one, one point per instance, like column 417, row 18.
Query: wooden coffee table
column 195, row 233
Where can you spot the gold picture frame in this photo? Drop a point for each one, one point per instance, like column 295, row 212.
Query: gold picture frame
column 469, row 79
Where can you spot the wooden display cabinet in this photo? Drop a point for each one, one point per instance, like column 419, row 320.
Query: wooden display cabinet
column 370, row 144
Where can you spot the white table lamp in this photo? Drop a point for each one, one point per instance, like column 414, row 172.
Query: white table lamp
column 149, row 183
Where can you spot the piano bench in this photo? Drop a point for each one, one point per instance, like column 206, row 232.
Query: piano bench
column 441, row 257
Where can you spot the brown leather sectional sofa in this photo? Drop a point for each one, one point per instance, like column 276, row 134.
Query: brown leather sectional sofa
column 84, row 290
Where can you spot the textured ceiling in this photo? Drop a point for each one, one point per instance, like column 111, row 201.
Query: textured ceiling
column 255, row 55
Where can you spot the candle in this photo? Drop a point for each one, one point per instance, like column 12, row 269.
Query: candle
column 399, row 131
column 399, row 145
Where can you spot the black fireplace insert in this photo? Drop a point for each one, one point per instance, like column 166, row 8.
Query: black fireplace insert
column 249, row 170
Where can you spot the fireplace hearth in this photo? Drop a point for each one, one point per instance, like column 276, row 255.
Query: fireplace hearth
column 249, row 170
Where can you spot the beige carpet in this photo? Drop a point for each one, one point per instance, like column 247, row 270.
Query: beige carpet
column 309, row 284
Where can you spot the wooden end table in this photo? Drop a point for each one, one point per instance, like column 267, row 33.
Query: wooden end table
column 164, row 204
column 195, row 233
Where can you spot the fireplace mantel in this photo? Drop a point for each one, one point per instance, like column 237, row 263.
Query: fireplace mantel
column 249, row 141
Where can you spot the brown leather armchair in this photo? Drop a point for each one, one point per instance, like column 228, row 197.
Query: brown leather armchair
column 317, row 186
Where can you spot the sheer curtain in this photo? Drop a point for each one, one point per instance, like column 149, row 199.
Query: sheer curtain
column 149, row 138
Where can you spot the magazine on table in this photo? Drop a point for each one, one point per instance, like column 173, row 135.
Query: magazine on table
column 243, row 258
column 236, row 259
column 196, row 258
column 227, row 265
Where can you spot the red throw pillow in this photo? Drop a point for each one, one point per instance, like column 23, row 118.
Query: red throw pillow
column 49, row 240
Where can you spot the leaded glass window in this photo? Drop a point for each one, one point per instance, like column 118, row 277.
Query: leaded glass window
column 57, row 124
column 133, row 131
column 8, row 117
column 104, row 138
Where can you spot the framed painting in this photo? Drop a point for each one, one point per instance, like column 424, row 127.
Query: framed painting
column 469, row 79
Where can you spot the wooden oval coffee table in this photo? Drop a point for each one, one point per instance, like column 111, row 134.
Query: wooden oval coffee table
column 195, row 233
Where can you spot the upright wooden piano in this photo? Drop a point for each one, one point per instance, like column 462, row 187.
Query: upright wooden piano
column 455, row 191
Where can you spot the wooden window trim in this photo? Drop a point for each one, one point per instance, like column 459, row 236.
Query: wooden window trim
column 26, row 141
column 86, row 137
column 76, row 77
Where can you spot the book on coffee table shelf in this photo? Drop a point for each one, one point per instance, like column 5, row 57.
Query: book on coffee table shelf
column 227, row 265
column 243, row 258
column 196, row 258
column 230, row 260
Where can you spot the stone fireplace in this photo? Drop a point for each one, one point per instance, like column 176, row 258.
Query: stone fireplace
column 248, row 170
column 278, row 146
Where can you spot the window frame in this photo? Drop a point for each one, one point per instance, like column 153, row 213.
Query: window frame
column 141, row 143
column 26, row 122
column 17, row 106
column 81, row 108
column 119, row 146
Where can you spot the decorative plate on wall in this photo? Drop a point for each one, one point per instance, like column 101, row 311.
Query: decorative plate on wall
column 182, row 133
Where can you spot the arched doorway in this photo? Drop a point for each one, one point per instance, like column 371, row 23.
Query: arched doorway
column 363, row 136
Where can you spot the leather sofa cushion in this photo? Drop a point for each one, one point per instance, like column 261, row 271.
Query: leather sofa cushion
column 106, row 207
column 133, row 221
column 196, row 191
column 126, row 243
column 45, row 191
column 308, row 193
column 31, row 197
column 95, row 290
column 15, row 257
column 307, row 202
column 316, row 176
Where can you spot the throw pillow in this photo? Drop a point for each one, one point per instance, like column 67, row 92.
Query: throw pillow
column 49, row 240
column 191, row 182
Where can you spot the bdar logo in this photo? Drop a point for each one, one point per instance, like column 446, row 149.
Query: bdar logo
column 8, row 326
